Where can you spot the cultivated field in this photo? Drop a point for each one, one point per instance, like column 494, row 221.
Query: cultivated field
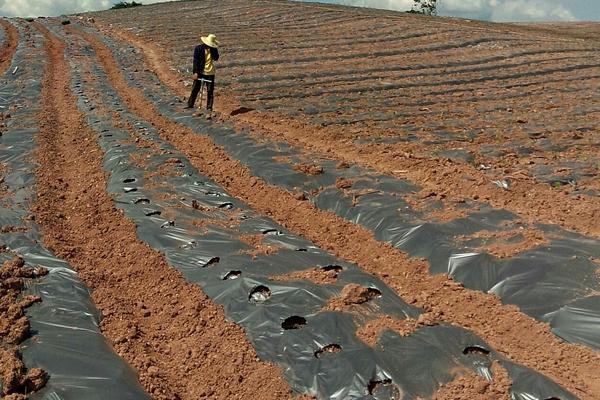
column 386, row 206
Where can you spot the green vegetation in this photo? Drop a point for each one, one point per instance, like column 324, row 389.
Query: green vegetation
column 427, row 7
column 125, row 4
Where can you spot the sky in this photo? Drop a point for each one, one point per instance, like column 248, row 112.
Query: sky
column 34, row 8
column 490, row 10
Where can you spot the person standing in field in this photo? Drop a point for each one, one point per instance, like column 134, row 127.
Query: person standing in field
column 205, row 55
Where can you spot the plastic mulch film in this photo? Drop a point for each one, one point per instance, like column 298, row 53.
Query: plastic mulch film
column 203, row 233
column 2, row 35
column 555, row 282
column 66, row 341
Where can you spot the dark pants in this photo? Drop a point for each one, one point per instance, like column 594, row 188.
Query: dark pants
column 210, row 89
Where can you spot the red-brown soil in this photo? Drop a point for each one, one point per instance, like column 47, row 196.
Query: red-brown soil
column 588, row 31
column 514, row 335
column 474, row 387
column 369, row 332
column 14, row 325
column 465, row 85
column 3, row 118
column 16, row 380
column 319, row 276
column 309, row 169
column 508, row 243
column 258, row 245
column 9, row 46
column 168, row 330
column 352, row 294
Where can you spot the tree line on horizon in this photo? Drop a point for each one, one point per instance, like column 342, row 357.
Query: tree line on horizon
column 427, row 7
column 125, row 4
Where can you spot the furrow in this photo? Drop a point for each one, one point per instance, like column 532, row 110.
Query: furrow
column 176, row 338
column 398, row 224
column 61, row 332
column 8, row 45
column 383, row 115
column 208, row 258
column 543, row 75
column 341, row 76
column 356, row 55
column 333, row 234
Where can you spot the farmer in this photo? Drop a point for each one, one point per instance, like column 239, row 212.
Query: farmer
column 204, row 71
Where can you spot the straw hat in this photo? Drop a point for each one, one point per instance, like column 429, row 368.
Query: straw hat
column 210, row 40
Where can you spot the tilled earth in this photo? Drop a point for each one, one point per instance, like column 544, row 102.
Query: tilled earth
column 451, row 104
column 424, row 112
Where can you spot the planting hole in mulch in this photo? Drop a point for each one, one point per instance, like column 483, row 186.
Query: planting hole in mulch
column 129, row 180
column 335, row 268
column 377, row 385
column 260, row 294
column 373, row 293
column 330, row 348
column 226, row 206
column 232, row 275
column 274, row 232
column 293, row 322
column 167, row 224
column 152, row 213
column 141, row 201
column 212, row 261
column 476, row 350
column 129, row 190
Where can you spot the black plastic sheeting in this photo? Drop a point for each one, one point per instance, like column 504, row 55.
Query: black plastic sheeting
column 555, row 283
column 317, row 350
column 2, row 35
column 66, row 341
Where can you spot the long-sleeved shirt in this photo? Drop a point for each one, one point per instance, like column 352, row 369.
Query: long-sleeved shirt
column 200, row 58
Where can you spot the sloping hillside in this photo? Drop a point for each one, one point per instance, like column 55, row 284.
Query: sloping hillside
column 385, row 206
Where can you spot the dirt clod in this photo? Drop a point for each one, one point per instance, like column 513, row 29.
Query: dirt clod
column 309, row 169
column 14, row 328
column 320, row 276
column 353, row 294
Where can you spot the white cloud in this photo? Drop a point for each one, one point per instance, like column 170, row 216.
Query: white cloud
column 531, row 10
column 398, row 5
column 494, row 10
column 34, row 8
column 470, row 6
column 509, row 10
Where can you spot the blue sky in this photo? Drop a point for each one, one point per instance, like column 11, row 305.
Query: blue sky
column 491, row 10
column 499, row 10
